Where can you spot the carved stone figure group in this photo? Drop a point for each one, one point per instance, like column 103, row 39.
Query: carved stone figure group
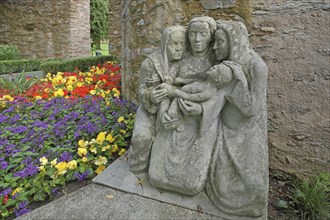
column 202, row 119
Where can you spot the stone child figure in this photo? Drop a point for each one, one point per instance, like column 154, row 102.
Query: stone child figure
column 180, row 158
column 200, row 91
column 159, row 67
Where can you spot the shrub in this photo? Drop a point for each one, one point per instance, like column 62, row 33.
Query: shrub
column 16, row 66
column 52, row 65
column 311, row 198
column 9, row 52
column 83, row 64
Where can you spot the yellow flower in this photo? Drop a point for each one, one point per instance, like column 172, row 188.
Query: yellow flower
column 17, row 190
column 38, row 97
column 88, row 80
column 53, row 162
column 72, row 165
column 79, row 84
column 84, row 159
column 69, row 87
column 82, row 151
column 93, row 149
column 122, row 131
column 42, row 168
column 8, row 97
column 110, row 139
column 122, row 151
column 59, row 93
column 92, row 92
column 105, row 148
column 120, row 119
column 114, row 149
column 100, row 138
column 82, row 143
column 100, row 161
column 62, row 166
column 62, row 172
column 100, row 169
column 43, row 161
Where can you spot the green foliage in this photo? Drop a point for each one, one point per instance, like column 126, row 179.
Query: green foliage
column 9, row 52
column 311, row 198
column 52, row 65
column 15, row 66
column 99, row 21
column 83, row 64
column 18, row 84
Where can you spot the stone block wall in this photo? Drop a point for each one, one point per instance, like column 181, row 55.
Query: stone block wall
column 46, row 28
column 115, row 27
column 292, row 36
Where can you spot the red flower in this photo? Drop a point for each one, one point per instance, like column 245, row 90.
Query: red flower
column 5, row 200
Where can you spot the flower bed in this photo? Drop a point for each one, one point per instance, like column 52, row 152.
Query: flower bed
column 66, row 127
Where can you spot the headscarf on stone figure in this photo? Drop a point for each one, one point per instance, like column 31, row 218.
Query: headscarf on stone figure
column 239, row 44
column 160, row 58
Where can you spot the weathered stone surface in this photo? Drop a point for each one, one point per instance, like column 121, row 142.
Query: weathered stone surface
column 46, row 28
column 141, row 40
column 294, row 40
column 114, row 27
column 202, row 120
column 215, row 4
column 298, row 83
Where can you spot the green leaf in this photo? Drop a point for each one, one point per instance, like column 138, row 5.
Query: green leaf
column 282, row 204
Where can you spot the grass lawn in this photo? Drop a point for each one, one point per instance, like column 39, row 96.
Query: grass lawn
column 104, row 49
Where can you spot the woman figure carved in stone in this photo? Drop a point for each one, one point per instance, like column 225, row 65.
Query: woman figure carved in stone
column 159, row 67
column 180, row 158
column 238, row 175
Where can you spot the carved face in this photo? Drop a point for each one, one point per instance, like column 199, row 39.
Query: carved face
column 221, row 46
column 176, row 46
column 199, row 36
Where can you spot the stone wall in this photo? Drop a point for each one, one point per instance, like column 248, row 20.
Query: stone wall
column 292, row 36
column 46, row 28
column 114, row 27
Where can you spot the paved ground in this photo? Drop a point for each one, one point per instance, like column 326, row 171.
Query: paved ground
column 100, row 202
column 118, row 194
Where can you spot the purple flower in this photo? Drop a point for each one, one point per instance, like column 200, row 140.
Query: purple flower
column 55, row 191
column 66, row 156
column 10, row 109
column 3, row 165
column 5, row 192
column 18, row 129
column 40, row 124
column 21, row 210
column 81, row 177
column 10, row 150
column 29, row 170
column 3, row 118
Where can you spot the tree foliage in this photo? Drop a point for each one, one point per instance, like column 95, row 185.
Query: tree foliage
column 99, row 21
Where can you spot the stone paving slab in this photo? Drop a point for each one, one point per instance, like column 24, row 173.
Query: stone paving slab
column 118, row 176
column 99, row 202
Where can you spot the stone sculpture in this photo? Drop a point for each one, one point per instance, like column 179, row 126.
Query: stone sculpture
column 159, row 67
column 202, row 121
